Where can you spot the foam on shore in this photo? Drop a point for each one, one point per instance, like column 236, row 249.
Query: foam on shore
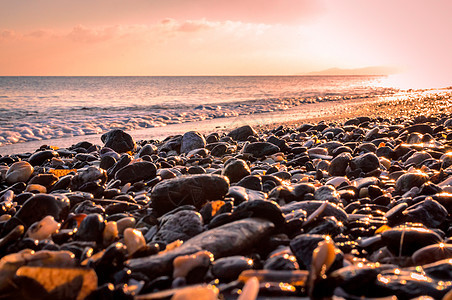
column 90, row 121
column 332, row 110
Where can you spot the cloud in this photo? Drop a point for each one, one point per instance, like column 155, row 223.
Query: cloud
column 48, row 13
column 88, row 35
column 247, row 11
column 194, row 26
column 38, row 34
column 208, row 47
column 7, row 34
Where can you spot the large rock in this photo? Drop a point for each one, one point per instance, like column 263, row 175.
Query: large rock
column 259, row 149
column 36, row 208
column 236, row 170
column 227, row 240
column 404, row 241
column 41, row 156
column 311, row 206
column 428, row 212
column 142, row 170
column 242, row 133
column 192, row 140
column 339, row 164
column 366, row 162
column 119, row 141
column 194, row 190
column 182, row 225
column 19, row 172
column 327, row 193
column 405, row 182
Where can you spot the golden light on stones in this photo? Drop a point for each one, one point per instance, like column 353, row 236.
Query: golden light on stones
column 184, row 264
column 134, row 240
column 62, row 283
column 19, row 172
column 323, row 257
column 419, row 277
column 250, row 289
column 383, row 279
column 61, row 172
column 43, row 229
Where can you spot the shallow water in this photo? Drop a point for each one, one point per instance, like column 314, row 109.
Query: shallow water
column 301, row 112
column 40, row 108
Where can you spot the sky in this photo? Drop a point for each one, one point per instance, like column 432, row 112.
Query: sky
column 232, row 37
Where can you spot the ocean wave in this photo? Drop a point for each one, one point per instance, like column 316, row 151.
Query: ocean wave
column 38, row 125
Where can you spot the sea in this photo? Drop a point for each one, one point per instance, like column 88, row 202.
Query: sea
column 46, row 108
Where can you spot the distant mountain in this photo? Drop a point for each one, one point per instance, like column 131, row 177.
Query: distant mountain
column 380, row 70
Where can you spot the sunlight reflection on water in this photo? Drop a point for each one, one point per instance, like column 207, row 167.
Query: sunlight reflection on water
column 406, row 81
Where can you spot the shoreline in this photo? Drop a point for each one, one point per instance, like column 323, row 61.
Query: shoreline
column 400, row 104
column 373, row 194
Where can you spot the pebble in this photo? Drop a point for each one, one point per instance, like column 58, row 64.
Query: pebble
column 260, row 149
column 236, row 170
column 181, row 225
column 119, row 141
column 194, row 190
column 322, row 210
column 19, row 172
column 242, row 133
column 126, row 222
column 229, row 268
column 407, row 181
column 142, row 170
column 110, row 233
column 134, row 240
column 339, row 164
column 38, row 158
column 43, row 229
column 192, row 140
column 184, row 264
column 327, row 193
column 365, row 162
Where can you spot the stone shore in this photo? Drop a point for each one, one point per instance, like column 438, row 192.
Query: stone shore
column 356, row 205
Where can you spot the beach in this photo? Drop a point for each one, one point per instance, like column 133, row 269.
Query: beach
column 225, row 150
column 297, row 204
column 65, row 107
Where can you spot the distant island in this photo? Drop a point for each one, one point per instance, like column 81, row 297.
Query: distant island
column 378, row 70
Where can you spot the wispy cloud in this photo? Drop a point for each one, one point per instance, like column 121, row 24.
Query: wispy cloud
column 7, row 34
column 92, row 35
column 209, row 47
column 166, row 28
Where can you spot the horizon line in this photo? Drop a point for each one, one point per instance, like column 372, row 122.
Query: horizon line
column 206, row 75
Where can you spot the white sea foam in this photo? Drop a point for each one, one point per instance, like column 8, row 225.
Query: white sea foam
column 52, row 107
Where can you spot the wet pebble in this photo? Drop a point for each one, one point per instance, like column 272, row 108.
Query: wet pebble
column 194, row 190
column 19, row 172
column 192, row 140
column 181, row 225
column 119, row 141
column 355, row 210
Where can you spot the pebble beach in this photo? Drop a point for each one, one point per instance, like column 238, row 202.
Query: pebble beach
column 328, row 200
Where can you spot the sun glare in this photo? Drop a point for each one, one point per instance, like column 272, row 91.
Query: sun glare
column 406, row 81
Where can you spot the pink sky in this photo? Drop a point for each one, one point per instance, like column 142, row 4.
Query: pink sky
column 235, row 37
